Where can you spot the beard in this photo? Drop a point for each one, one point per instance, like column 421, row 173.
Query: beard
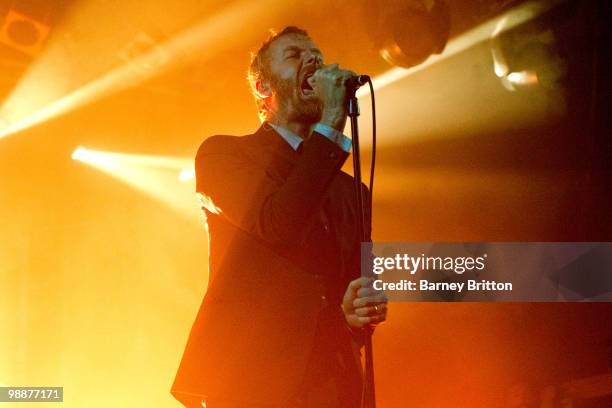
column 297, row 108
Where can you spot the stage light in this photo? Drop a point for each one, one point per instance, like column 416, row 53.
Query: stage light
column 48, row 90
column 526, row 56
column 458, row 92
column 523, row 78
column 153, row 175
column 98, row 159
column 159, row 162
column 482, row 33
column 412, row 31
column 23, row 32
column 79, row 154
column 186, row 174
column 143, row 44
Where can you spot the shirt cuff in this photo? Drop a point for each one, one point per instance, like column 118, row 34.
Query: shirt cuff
column 334, row 135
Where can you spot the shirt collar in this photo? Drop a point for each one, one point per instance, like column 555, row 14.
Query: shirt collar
column 290, row 137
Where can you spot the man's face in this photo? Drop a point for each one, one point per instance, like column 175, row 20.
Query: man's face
column 292, row 59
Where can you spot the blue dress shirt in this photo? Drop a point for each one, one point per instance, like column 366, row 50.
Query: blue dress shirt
column 329, row 132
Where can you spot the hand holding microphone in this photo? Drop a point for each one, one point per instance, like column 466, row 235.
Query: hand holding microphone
column 330, row 85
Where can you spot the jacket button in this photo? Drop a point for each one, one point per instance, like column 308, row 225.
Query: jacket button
column 333, row 155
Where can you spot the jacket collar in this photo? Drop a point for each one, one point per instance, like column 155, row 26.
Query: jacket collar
column 269, row 137
column 290, row 137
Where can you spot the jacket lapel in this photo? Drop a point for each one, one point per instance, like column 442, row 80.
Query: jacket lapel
column 270, row 148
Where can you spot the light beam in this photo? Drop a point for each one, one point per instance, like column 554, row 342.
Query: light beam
column 43, row 94
column 155, row 176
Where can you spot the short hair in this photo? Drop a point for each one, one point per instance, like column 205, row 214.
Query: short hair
column 259, row 68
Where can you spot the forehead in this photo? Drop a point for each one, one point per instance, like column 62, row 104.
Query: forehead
column 291, row 41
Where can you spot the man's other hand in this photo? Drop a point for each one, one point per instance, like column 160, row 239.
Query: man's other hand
column 364, row 305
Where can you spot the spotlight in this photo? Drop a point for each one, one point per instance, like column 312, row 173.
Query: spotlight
column 144, row 44
column 523, row 78
column 527, row 55
column 79, row 154
column 152, row 175
column 412, row 31
column 23, row 33
column 486, row 31
column 102, row 160
column 186, row 174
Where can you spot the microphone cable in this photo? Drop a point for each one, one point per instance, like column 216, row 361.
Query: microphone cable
column 373, row 160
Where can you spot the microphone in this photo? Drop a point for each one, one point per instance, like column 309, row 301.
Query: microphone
column 356, row 81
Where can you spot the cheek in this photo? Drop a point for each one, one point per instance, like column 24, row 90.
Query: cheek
column 287, row 79
column 284, row 86
column 286, row 71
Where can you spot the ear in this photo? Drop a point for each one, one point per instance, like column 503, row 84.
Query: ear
column 263, row 89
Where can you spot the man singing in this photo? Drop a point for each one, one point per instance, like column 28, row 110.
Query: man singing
column 284, row 315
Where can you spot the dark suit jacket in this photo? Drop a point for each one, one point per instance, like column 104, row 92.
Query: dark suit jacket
column 284, row 245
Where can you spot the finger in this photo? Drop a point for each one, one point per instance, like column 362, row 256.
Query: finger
column 327, row 68
column 364, row 320
column 366, row 292
column 368, row 289
column 373, row 311
column 377, row 294
column 358, row 283
column 369, row 301
column 365, row 311
column 351, row 292
column 347, row 74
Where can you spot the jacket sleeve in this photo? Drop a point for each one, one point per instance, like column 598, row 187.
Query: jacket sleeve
column 243, row 192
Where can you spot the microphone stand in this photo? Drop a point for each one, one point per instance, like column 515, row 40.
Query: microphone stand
column 368, row 399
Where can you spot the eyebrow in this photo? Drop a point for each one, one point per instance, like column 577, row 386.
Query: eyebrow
column 295, row 48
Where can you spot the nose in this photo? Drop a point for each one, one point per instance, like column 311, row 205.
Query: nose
column 312, row 58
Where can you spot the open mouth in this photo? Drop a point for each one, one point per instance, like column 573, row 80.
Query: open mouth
column 305, row 87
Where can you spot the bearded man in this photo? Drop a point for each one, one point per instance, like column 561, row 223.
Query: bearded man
column 285, row 312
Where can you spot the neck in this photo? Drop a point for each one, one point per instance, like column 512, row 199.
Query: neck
column 299, row 128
